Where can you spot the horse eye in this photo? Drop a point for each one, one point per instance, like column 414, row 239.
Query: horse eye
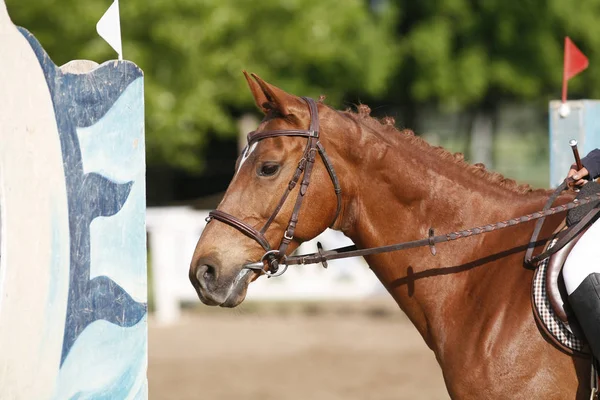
column 268, row 169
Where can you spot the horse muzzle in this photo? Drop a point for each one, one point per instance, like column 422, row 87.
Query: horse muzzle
column 217, row 289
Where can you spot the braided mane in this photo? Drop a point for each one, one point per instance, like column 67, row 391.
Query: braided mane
column 388, row 131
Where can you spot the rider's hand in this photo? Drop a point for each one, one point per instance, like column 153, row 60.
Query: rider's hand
column 577, row 178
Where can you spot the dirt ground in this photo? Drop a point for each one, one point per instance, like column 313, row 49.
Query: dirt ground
column 343, row 351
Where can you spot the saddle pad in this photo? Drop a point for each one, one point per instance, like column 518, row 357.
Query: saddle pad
column 546, row 314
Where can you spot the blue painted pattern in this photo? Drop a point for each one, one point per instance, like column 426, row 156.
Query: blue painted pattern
column 99, row 116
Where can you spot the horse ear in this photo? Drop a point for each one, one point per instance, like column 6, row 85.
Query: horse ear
column 279, row 99
column 259, row 96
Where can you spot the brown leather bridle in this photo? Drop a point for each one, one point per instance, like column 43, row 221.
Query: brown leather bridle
column 277, row 257
column 274, row 257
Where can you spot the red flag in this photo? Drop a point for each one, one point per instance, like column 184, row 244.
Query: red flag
column 575, row 62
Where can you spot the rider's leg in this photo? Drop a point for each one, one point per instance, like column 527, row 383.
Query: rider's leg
column 582, row 281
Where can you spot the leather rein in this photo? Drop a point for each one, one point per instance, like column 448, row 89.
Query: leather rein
column 277, row 257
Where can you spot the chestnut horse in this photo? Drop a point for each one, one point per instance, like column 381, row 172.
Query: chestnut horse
column 470, row 302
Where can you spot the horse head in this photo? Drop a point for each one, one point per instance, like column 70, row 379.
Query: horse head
column 268, row 209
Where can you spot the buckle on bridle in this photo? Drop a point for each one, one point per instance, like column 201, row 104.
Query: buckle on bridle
column 274, row 265
column 288, row 237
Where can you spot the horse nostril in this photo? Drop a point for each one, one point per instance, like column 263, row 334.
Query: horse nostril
column 206, row 273
column 209, row 274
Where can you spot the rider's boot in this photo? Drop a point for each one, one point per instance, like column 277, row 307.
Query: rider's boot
column 585, row 303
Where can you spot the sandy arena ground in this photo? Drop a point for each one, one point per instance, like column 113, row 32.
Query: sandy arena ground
column 281, row 352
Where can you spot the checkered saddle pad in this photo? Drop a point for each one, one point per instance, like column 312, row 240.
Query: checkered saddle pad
column 560, row 331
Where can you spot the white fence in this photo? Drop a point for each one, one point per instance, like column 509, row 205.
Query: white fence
column 174, row 231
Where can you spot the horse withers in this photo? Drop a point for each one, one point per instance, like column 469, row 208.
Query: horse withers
column 309, row 166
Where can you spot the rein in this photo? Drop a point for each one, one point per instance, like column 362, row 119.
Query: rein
column 352, row 251
column 277, row 257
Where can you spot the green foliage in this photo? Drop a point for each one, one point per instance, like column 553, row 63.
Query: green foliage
column 471, row 54
column 461, row 54
column 193, row 53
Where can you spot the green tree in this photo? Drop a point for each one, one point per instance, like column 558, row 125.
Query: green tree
column 193, row 52
column 473, row 56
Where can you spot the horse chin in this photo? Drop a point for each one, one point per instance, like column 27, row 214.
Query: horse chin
column 235, row 299
column 239, row 288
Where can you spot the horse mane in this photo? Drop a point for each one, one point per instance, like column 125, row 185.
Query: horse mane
column 388, row 131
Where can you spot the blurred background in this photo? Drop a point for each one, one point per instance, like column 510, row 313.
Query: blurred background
column 474, row 76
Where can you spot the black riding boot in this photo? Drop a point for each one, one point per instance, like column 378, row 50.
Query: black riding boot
column 585, row 302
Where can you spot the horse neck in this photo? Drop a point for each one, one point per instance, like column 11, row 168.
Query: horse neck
column 396, row 192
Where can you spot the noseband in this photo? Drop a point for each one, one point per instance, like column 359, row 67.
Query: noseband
column 275, row 257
